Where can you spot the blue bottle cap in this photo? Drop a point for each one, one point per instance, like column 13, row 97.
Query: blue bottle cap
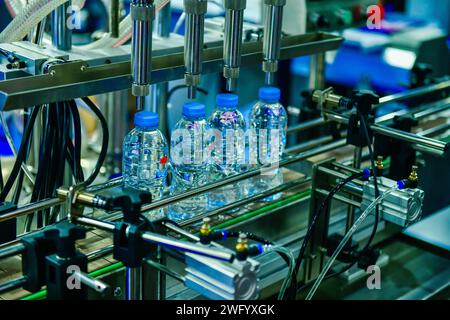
column 269, row 94
column 146, row 119
column 227, row 101
column 194, row 110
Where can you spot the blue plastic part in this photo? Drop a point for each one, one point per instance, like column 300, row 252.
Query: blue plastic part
column 146, row 119
column 367, row 173
column 269, row 94
column 194, row 110
column 224, row 234
column 227, row 101
column 260, row 248
column 400, row 185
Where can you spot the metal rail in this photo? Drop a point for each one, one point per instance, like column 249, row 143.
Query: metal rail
column 162, row 240
column 414, row 93
column 440, row 146
column 77, row 79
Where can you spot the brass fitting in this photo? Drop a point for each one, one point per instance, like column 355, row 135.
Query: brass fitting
column 242, row 243
column 205, row 229
column 379, row 163
column 413, row 176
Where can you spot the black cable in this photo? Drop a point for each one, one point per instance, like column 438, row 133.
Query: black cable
column 1, row 175
column 78, row 173
column 292, row 290
column 176, row 88
column 249, row 235
column 375, row 227
column 19, row 183
column 375, row 182
column 328, row 276
column 105, row 140
column 21, row 154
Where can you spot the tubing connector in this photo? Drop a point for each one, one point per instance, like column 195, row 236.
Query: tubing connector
column 412, row 182
column 205, row 231
column 379, row 166
column 242, row 247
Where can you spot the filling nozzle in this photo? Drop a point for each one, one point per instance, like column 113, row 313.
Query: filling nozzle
column 142, row 15
column 272, row 37
column 234, row 19
column 193, row 43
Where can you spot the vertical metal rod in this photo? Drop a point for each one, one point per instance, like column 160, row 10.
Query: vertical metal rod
column 317, row 71
column 193, row 43
column 134, row 283
column 61, row 33
column 234, row 19
column 157, row 101
column 142, row 14
column 357, row 156
column 114, row 19
column 116, row 112
column 272, row 37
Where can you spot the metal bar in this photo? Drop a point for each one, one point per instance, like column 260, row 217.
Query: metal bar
column 163, row 202
column 12, row 251
column 165, row 270
column 242, row 176
column 61, row 33
column 396, row 134
column 162, row 240
column 188, row 247
column 317, row 71
column 357, row 157
column 13, row 284
column 306, row 125
column 25, row 210
column 94, row 284
column 301, row 147
column 76, row 79
column 348, row 201
column 114, row 19
column 133, row 283
column 414, row 93
column 435, row 130
column 245, row 201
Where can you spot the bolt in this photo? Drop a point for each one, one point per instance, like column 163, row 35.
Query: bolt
column 117, row 292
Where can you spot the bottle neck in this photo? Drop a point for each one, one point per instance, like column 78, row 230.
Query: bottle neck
column 225, row 108
column 144, row 128
column 269, row 101
column 192, row 118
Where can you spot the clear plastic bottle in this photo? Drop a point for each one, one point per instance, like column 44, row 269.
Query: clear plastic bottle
column 145, row 156
column 228, row 152
column 267, row 138
column 190, row 160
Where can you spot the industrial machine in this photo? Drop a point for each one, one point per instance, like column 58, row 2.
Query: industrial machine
column 349, row 189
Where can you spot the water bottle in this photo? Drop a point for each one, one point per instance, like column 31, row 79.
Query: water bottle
column 267, row 138
column 228, row 151
column 190, row 160
column 145, row 156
